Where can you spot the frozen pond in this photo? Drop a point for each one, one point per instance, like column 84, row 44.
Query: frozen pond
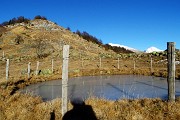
column 109, row 87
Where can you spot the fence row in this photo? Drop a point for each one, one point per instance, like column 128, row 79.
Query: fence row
column 10, row 68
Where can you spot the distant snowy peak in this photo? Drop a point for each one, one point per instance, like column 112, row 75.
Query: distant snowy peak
column 153, row 49
column 126, row 47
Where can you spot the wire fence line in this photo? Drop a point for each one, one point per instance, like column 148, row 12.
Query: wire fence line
column 54, row 66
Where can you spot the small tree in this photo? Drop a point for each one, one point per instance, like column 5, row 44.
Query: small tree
column 68, row 28
column 13, row 21
column 5, row 23
column 43, row 18
column 18, row 40
column 40, row 48
column 20, row 19
column 40, row 17
column 78, row 32
column 37, row 17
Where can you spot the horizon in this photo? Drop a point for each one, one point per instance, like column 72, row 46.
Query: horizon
column 137, row 24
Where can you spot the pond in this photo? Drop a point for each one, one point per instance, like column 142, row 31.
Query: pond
column 109, row 87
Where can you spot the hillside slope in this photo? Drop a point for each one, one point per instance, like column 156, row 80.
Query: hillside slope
column 2, row 30
column 43, row 38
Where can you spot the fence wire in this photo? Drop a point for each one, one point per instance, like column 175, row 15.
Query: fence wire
column 19, row 68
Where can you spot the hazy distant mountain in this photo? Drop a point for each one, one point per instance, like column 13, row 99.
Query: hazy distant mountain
column 126, row 47
column 153, row 49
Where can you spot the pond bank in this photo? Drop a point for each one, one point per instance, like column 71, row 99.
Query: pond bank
column 14, row 105
column 111, row 87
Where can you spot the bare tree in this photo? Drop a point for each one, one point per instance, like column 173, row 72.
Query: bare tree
column 40, row 48
column 18, row 40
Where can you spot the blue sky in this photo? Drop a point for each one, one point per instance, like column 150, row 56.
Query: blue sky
column 135, row 23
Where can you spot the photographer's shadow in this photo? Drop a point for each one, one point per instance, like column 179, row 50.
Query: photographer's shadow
column 80, row 111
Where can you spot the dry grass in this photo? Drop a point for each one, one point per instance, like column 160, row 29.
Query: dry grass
column 138, row 109
column 18, row 106
column 25, row 107
column 84, row 61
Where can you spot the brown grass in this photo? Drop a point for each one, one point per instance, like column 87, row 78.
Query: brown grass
column 84, row 61
column 14, row 105
column 21, row 107
column 18, row 106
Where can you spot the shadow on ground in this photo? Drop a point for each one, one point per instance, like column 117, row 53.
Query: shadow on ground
column 80, row 111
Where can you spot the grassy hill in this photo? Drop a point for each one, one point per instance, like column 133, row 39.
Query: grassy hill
column 42, row 40
column 24, row 39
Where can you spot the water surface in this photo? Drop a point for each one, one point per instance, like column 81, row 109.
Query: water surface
column 108, row 87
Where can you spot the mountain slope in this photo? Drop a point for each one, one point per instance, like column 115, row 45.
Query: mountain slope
column 2, row 30
column 153, row 49
column 126, row 47
column 23, row 39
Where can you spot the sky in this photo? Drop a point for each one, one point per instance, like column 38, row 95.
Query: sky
column 139, row 24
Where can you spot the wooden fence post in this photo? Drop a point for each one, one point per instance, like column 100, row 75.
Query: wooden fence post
column 100, row 62
column 82, row 63
column 65, row 79
column 80, row 59
column 171, row 70
column 37, row 68
column 29, row 69
column 134, row 64
column 3, row 55
column 151, row 65
column 52, row 65
column 7, row 69
column 118, row 63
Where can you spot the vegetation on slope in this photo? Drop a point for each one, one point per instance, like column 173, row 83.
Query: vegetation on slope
column 21, row 107
column 42, row 40
column 85, row 35
column 21, row 19
column 93, row 39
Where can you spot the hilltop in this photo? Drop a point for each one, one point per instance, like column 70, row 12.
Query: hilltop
column 23, row 39
column 2, row 30
column 41, row 38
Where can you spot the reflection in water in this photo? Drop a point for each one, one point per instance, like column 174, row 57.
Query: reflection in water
column 109, row 87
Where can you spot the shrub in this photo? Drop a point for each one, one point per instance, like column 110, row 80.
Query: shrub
column 116, row 49
column 40, row 17
column 45, row 72
column 40, row 46
column 89, row 37
column 68, row 28
column 13, row 21
column 18, row 40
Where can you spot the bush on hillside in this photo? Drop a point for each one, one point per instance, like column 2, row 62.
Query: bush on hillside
column 40, row 46
column 21, row 19
column 93, row 39
column 116, row 49
column 40, row 17
column 13, row 21
column 5, row 23
column 89, row 37
column 18, row 40
column 68, row 28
